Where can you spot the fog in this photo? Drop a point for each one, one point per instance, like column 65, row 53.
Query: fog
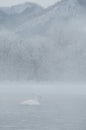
column 61, row 106
column 39, row 88
column 43, row 66
column 43, row 44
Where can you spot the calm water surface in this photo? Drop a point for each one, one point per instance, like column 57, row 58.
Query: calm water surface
column 57, row 111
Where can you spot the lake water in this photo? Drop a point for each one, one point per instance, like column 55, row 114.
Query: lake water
column 62, row 107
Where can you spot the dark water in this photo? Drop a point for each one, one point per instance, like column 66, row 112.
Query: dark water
column 56, row 111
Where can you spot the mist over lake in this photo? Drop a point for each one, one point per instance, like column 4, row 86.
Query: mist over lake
column 62, row 106
column 43, row 66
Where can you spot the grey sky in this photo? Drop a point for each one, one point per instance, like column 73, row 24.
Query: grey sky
column 13, row 2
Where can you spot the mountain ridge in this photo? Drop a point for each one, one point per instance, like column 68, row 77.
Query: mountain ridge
column 19, row 8
column 48, row 45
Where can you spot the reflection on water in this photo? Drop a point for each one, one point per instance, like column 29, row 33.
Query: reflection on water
column 56, row 112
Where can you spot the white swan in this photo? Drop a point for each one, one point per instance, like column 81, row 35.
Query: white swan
column 31, row 102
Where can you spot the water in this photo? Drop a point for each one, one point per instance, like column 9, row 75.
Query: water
column 58, row 110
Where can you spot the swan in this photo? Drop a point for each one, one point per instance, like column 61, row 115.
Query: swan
column 31, row 102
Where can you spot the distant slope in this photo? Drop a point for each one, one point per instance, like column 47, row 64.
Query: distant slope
column 49, row 44
column 18, row 14
column 61, row 12
column 17, row 9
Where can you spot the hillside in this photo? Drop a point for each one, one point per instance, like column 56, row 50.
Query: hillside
column 44, row 44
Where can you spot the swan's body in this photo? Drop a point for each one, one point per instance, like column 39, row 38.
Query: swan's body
column 31, row 102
